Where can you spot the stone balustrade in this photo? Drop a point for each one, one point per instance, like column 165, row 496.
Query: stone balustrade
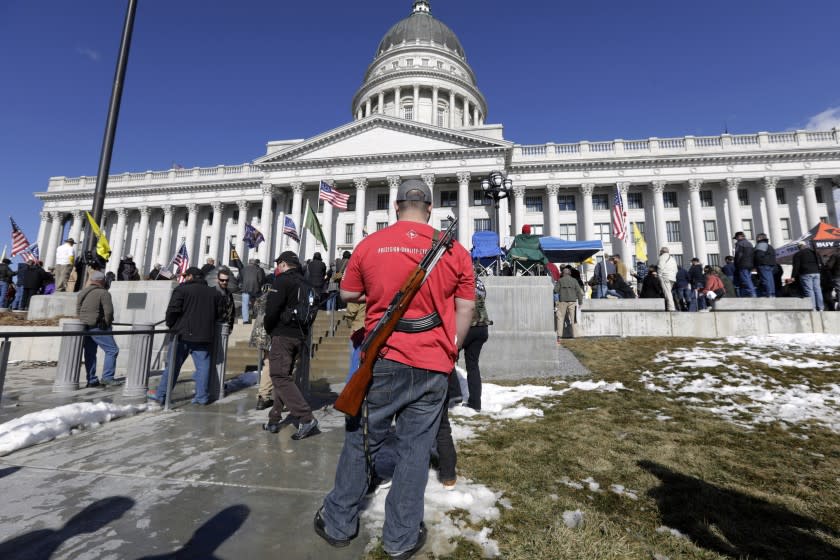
column 157, row 177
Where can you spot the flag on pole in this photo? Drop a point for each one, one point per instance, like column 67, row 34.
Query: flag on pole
column 181, row 262
column 314, row 226
column 252, row 237
column 233, row 258
column 619, row 217
column 641, row 245
column 290, row 229
column 31, row 254
column 5, row 248
column 103, row 248
column 19, row 241
column 329, row 194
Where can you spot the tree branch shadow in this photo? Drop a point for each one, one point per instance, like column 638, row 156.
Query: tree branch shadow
column 44, row 542
column 210, row 536
column 736, row 524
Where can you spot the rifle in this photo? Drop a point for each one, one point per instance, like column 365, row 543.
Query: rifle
column 350, row 399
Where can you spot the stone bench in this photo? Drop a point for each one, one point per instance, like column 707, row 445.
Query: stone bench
column 647, row 304
column 763, row 304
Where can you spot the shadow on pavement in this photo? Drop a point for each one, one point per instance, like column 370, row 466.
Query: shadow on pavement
column 44, row 542
column 8, row 470
column 210, row 536
column 733, row 523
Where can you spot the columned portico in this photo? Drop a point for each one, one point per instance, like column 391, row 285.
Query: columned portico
column 359, row 222
column 518, row 209
column 242, row 205
column 265, row 222
column 553, row 210
column 192, row 230
column 43, row 231
column 55, row 241
column 732, row 184
column 327, row 221
column 216, row 231
column 76, row 228
column 812, row 215
column 698, row 235
column 774, row 229
column 658, row 187
column 117, row 241
column 164, row 254
column 393, row 184
column 464, row 209
column 623, row 246
column 297, row 203
column 142, row 238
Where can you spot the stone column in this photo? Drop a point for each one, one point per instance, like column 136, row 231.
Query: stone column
column 279, row 222
column 326, row 223
column 381, row 105
column 359, row 226
column 55, row 241
column 240, row 226
column 44, row 232
column 812, row 214
column 435, row 106
column 297, row 203
column 429, row 179
column 216, row 231
column 588, row 224
column 451, row 109
column 734, row 203
column 553, row 210
column 367, row 107
column 475, row 115
column 393, row 184
column 192, row 229
column 466, row 112
column 165, row 253
column 658, row 187
column 143, row 241
column 774, row 226
column 464, row 227
column 416, row 111
column 397, row 93
column 698, row 231
column 266, row 222
column 623, row 246
column 76, row 228
column 518, row 209
column 117, row 241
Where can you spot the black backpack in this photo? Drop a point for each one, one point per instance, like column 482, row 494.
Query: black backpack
column 302, row 313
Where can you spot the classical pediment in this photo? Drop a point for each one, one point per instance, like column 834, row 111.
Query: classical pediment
column 379, row 136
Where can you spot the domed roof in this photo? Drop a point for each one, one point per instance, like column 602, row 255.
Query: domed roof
column 420, row 25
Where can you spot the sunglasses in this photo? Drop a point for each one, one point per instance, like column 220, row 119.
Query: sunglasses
column 223, row 281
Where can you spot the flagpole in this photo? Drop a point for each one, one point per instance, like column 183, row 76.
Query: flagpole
column 303, row 232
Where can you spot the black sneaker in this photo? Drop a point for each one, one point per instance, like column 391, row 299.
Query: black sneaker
column 262, row 403
column 272, row 427
column 306, row 429
column 91, row 384
column 321, row 530
column 421, row 540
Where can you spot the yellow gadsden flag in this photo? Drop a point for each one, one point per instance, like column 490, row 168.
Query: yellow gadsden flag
column 103, row 248
column 641, row 246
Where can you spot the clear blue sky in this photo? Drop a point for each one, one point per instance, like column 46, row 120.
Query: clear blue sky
column 211, row 81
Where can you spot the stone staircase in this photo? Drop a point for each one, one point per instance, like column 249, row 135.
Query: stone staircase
column 331, row 354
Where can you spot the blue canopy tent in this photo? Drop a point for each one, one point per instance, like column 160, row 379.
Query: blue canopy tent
column 561, row 251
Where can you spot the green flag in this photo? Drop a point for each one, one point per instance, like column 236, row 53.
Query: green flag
column 311, row 223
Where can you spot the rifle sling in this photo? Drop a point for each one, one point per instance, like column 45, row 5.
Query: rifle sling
column 421, row 324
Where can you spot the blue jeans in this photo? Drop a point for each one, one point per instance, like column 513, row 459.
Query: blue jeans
column 104, row 340
column 200, row 352
column 683, row 296
column 599, row 291
column 745, row 278
column 246, row 302
column 811, row 288
column 414, row 397
column 331, row 301
column 16, row 304
column 768, row 283
column 355, row 359
column 4, row 287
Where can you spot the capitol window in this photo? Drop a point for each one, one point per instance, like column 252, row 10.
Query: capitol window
column 444, row 225
column 602, row 232
column 424, row 61
column 409, row 62
column 568, row 232
column 534, row 203
column 634, row 200
column 351, row 202
column 600, row 202
column 382, row 201
column 743, row 197
column 479, row 199
column 673, row 230
column 785, row 228
column 440, row 65
column 481, row 224
column 713, row 259
column 396, row 65
column 706, row 199
column 381, row 225
column 710, row 229
column 448, row 199
column 819, row 193
column 670, row 199
column 443, row 114
column 408, row 112
column 348, row 233
column 747, row 228
column 235, row 217
column 566, row 202
column 780, row 195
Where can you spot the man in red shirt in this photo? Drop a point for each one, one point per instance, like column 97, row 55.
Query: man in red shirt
column 410, row 376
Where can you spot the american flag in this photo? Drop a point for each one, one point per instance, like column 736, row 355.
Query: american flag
column 252, row 237
column 19, row 241
column 31, row 254
column 181, row 261
column 290, row 229
column 619, row 217
column 337, row 199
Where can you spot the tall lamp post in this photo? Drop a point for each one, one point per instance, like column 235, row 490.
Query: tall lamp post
column 496, row 187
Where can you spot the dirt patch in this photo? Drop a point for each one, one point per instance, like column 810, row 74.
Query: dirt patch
column 19, row 320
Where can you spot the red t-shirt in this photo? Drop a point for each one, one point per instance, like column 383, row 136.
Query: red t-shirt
column 380, row 265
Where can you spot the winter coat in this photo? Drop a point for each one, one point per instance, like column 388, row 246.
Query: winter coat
column 316, row 274
column 683, row 279
column 714, row 284
column 764, row 254
column 568, row 289
column 252, row 279
column 94, row 307
column 282, row 297
column 193, row 311
column 259, row 338
column 228, row 315
column 6, row 273
column 833, row 265
column 623, row 289
column 696, row 277
column 34, row 278
column 21, row 273
column 744, row 255
column 652, row 287
column 667, row 267
column 805, row 261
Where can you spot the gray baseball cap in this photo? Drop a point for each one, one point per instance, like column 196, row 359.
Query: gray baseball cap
column 414, row 189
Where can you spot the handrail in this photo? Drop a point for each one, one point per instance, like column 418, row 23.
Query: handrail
column 35, row 334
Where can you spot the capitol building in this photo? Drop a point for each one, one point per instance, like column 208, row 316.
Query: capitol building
column 419, row 113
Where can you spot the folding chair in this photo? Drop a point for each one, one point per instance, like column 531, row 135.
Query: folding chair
column 486, row 253
column 525, row 255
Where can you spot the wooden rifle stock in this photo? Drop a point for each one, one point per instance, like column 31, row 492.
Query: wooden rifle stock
column 351, row 397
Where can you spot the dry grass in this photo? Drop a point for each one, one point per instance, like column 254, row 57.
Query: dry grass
column 10, row 319
column 769, row 492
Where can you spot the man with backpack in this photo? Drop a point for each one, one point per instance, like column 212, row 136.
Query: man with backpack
column 764, row 258
column 289, row 313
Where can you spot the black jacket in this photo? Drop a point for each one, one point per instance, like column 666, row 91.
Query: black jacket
column 765, row 254
column 6, row 273
column 744, row 254
column 696, row 277
column 284, row 295
column 620, row 286
column 34, row 278
column 21, row 273
column 651, row 287
column 805, row 261
column 316, row 273
column 193, row 311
